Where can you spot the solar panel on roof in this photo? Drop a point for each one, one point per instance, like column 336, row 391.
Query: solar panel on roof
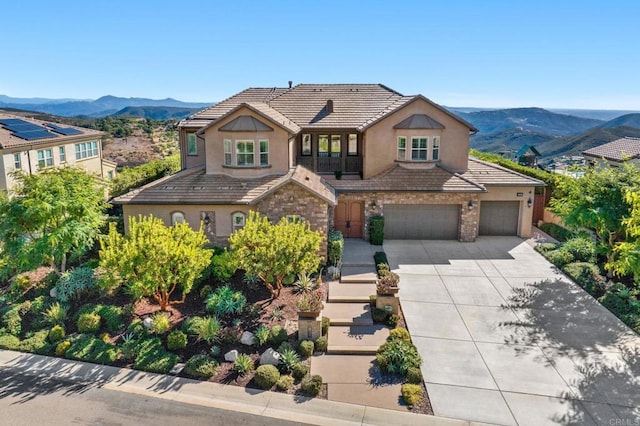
column 67, row 131
column 36, row 134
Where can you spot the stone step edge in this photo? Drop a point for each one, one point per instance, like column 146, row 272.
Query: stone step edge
column 349, row 321
column 355, row 350
column 349, row 280
column 353, row 299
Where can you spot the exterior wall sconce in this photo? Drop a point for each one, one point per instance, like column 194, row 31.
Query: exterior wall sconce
column 206, row 219
column 529, row 202
column 373, row 204
column 470, row 205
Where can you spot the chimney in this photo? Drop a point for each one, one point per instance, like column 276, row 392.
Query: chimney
column 329, row 106
column 290, row 84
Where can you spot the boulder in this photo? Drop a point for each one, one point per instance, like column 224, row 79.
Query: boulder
column 231, row 355
column 177, row 369
column 53, row 293
column 148, row 322
column 270, row 357
column 247, row 338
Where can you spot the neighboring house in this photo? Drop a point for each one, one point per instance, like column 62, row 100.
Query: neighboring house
column 335, row 155
column 527, row 155
column 31, row 145
column 614, row 153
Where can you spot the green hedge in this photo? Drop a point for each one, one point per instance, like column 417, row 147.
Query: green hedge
column 152, row 357
column 135, row 177
column 376, row 230
column 335, row 248
column 558, row 232
column 91, row 349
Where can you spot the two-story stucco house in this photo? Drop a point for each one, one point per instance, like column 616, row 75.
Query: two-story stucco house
column 30, row 145
column 335, row 155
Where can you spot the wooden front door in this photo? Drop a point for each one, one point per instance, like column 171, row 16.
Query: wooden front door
column 348, row 218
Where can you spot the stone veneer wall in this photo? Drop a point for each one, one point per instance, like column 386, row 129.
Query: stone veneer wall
column 291, row 199
column 469, row 219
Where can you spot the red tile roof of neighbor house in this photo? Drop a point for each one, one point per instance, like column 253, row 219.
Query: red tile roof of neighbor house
column 491, row 174
column 321, row 106
column 619, row 150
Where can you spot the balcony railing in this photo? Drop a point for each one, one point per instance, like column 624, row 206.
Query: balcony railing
column 332, row 164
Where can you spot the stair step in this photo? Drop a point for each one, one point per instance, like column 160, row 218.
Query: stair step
column 358, row 274
column 348, row 313
column 356, row 339
column 350, row 292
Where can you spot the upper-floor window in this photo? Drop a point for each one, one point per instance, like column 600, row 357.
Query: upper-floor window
column 323, row 146
column 402, row 148
column 237, row 221
column 63, row 154
column 192, row 144
column 45, row 158
column 177, row 217
column 264, row 152
column 227, row 152
column 86, row 150
column 306, row 144
column 336, row 145
column 435, row 149
column 245, row 153
column 419, row 147
column 17, row 161
column 352, row 148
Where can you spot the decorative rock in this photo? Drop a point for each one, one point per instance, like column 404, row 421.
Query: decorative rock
column 270, row 357
column 231, row 355
column 177, row 369
column 53, row 293
column 148, row 322
column 247, row 338
column 333, row 272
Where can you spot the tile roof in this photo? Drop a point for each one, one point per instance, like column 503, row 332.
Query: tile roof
column 618, row 150
column 263, row 110
column 246, row 123
column 7, row 140
column 419, row 121
column 405, row 178
column 194, row 186
column 489, row 174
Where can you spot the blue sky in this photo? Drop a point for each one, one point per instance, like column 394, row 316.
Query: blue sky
column 553, row 54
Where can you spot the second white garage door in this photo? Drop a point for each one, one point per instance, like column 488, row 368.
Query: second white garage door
column 421, row 221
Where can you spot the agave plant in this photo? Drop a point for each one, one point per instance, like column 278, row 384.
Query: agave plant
column 304, row 283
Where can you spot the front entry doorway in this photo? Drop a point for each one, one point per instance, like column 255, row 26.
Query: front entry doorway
column 348, row 218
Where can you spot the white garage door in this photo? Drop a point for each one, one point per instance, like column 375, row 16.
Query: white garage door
column 499, row 217
column 421, row 221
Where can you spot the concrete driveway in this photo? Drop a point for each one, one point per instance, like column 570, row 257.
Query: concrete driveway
column 507, row 339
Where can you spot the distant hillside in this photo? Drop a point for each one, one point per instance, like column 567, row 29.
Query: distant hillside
column 575, row 145
column 531, row 119
column 599, row 114
column 156, row 113
column 628, row 120
column 508, row 140
column 101, row 107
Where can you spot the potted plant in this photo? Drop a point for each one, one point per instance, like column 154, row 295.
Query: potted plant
column 310, row 304
column 387, row 284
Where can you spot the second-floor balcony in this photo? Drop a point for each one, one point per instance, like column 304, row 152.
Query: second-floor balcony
column 344, row 164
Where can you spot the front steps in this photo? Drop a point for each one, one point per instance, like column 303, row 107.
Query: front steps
column 350, row 293
column 357, row 339
column 358, row 274
column 348, row 314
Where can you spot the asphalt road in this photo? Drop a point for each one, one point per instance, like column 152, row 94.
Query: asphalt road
column 29, row 400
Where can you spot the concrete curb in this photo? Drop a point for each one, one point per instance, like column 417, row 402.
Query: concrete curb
column 226, row 397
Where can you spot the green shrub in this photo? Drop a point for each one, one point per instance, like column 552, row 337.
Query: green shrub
column 243, row 364
column 304, row 283
column 56, row 314
column 556, row 231
column 392, row 320
column 326, row 323
column 381, row 261
column 37, row 343
column 414, row 375
column 411, row 393
column 137, row 328
column 559, row 257
column 289, row 279
column 223, row 266
column 400, row 333
column 76, row 285
column 62, row 347
column 322, row 343
column 176, row 340
column 583, row 249
column 225, row 302
column 306, row 348
column 396, row 356
column 91, row 349
column 373, row 298
column 134, row 177
column 284, row 383
column 215, row 351
column 205, row 292
column 12, row 320
column 160, row 323
column 10, row 342
column 88, row 323
column 56, row 334
column 278, row 335
column 208, row 329
column 152, row 357
column 111, row 317
column 18, row 287
column 335, row 247
column 311, row 386
column 587, row 276
column 288, row 358
column 200, row 367
column 545, row 247
column 624, row 304
column 300, row 370
column 379, row 315
column 376, row 230
column 262, row 335
column 192, row 325
column 38, row 306
column 266, row 376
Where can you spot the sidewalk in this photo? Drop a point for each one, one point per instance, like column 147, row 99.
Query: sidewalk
column 227, row 397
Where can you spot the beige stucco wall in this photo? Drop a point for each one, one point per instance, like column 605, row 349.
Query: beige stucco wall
column 510, row 193
column 380, row 139
column 278, row 148
column 191, row 161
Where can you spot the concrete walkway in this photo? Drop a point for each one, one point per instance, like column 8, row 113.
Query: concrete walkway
column 507, row 339
column 269, row 404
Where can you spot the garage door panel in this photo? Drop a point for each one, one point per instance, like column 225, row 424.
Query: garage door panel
column 499, row 217
column 421, row 221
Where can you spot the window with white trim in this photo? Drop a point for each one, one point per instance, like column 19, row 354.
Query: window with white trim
column 264, row 152
column 86, row 150
column 402, row 148
column 45, row 158
column 63, row 154
column 237, row 221
column 245, row 153
column 435, row 149
column 177, row 217
column 192, row 144
column 17, row 161
column 227, row 152
column 419, row 148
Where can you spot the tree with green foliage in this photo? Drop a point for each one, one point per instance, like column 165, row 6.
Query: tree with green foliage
column 49, row 216
column 627, row 261
column 274, row 251
column 134, row 177
column 153, row 260
column 598, row 202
